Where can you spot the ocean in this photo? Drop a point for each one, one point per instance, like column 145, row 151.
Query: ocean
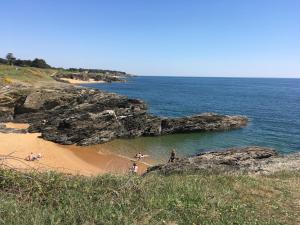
column 272, row 105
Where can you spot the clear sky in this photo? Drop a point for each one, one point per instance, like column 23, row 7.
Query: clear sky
column 157, row 37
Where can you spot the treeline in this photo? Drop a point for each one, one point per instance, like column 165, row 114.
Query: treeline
column 41, row 63
column 12, row 60
column 82, row 70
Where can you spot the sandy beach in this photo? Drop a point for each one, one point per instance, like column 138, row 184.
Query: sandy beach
column 63, row 158
column 75, row 81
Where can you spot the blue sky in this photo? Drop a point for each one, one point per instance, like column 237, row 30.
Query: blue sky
column 158, row 37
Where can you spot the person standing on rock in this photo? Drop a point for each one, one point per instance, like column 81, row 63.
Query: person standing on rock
column 173, row 156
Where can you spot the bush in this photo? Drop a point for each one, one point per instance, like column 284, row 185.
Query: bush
column 3, row 61
column 40, row 63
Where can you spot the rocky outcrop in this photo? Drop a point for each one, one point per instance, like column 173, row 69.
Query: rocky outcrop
column 235, row 160
column 10, row 97
column 73, row 115
column 289, row 162
column 202, row 122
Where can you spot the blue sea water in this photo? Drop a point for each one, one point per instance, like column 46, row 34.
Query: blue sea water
column 272, row 105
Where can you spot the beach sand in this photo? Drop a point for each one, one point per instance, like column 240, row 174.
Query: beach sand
column 17, row 125
column 63, row 158
column 75, row 81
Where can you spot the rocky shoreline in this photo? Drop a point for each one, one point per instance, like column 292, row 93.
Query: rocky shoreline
column 252, row 159
column 67, row 114
column 84, row 77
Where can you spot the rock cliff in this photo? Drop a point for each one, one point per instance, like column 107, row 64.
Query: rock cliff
column 73, row 115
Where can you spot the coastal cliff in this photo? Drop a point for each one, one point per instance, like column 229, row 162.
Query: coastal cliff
column 67, row 114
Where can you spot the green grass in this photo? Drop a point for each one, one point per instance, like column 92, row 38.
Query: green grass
column 50, row 198
column 25, row 74
column 10, row 74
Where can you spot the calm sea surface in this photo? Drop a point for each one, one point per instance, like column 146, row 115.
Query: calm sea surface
column 273, row 106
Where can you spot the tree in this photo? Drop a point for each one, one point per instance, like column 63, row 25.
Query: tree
column 39, row 63
column 3, row 61
column 10, row 58
column 20, row 62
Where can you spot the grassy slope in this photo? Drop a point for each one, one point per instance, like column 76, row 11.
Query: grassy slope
column 50, row 198
column 31, row 75
column 25, row 74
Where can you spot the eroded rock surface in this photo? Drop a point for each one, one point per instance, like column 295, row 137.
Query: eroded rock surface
column 73, row 115
column 9, row 98
column 235, row 160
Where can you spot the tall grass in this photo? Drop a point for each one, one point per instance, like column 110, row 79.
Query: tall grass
column 25, row 74
column 51, row 198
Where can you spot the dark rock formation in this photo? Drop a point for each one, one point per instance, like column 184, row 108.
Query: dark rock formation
column 68, row 115
column 202, row 122
column 246, row 159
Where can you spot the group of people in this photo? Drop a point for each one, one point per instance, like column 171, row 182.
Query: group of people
column 134, row 168
column 33, row 157
column 140, row 156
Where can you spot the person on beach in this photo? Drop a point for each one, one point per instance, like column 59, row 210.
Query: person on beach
column 173, row 156
column 32, row 157
column 139, row 156
column 134, row 168
column 39, row 156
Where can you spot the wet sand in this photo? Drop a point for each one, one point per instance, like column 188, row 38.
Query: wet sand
column 63, row 158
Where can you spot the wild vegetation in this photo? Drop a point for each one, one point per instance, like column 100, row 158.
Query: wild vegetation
column 25, row 74
column 10, row 59
column 206, row 198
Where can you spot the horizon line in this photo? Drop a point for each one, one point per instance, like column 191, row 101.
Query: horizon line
column 205, row 76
